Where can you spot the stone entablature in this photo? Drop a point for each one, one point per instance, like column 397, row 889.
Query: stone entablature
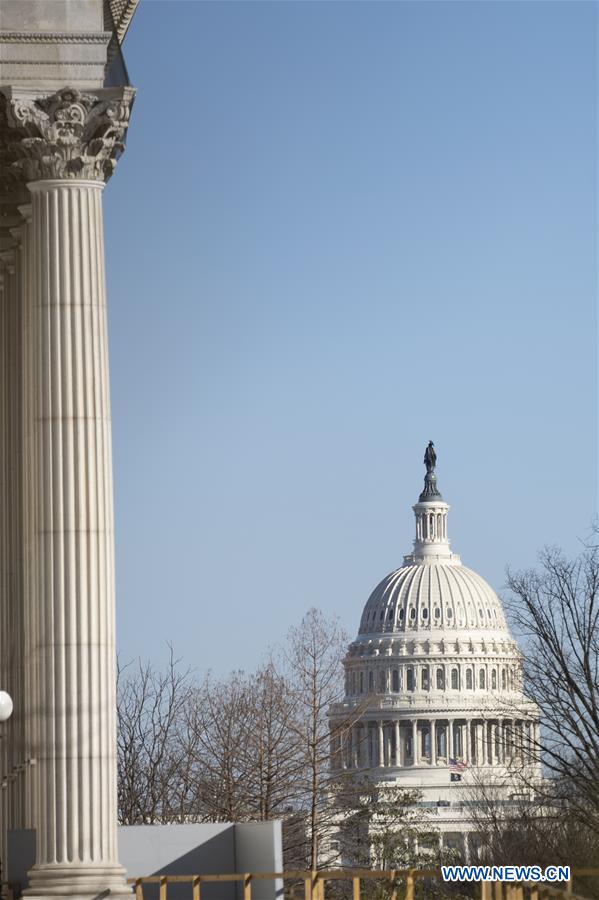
column 52, row 44
column 31, row 58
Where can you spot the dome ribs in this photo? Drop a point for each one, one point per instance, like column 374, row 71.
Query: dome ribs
column 417, row 586
column 410, row 599
column 451, row 594
column 439, row 592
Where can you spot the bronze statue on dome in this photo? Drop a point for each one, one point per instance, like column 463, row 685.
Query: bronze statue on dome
column 430, row 458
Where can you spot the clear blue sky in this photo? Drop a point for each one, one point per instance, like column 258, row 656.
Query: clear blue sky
column 340, row 230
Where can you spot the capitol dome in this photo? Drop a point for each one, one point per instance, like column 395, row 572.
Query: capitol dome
column 433, row 681
column 434, row 597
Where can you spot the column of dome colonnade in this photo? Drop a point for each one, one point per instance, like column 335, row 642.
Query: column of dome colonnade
column 63, row 147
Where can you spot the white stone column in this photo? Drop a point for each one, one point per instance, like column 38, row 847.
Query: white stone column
column 74, row 595
column 508, row 734
column 414, row 742
column 433, row 740
column 17, row 600
column 467, row 749
column 398, row 759
column 29, row 363
column 450, row 747
column 7, row 270
column 381, row 744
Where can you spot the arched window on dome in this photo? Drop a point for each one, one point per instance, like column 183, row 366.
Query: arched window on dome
column 482, row 679
column 469, row 682
column 382, row 682
column 494, row 680
column 425, row 613
column 401, row 615
column 425, row 679
column 503, row 680
column 449, row 612
column 440, row 679
column 395, row 681
column 412, row 614
column 371, row 682
column 410, row 678
column 455, row 680
column 437, row 612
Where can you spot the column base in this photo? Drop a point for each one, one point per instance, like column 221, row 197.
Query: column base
column 77, row 881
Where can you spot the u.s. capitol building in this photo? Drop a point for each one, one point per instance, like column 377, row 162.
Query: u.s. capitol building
column 433, row 683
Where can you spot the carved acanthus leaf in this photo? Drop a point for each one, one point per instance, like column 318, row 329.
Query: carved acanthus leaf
column 69, row 134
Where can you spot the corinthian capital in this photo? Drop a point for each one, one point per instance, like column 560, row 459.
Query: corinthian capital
column 69, row 134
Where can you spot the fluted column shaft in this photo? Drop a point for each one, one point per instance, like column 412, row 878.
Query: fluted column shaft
column 28, row 387
column 73, row 600
column 6, row 659
column 12, row 647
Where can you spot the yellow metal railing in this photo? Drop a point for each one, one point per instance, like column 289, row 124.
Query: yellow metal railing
column 402, row 883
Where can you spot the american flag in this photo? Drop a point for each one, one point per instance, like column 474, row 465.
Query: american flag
column 457, row 766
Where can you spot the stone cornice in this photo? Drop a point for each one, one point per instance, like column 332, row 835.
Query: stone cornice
column 54, row 37
column 68, row 134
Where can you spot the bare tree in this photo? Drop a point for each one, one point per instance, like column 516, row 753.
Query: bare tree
column 313, row 661
column 241, row 745
column 532, row 829
column 149, row 758
column 272, row 744
column 218, row 721
column 556, row 610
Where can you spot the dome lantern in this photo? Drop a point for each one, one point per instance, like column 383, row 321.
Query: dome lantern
column 431, row 514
